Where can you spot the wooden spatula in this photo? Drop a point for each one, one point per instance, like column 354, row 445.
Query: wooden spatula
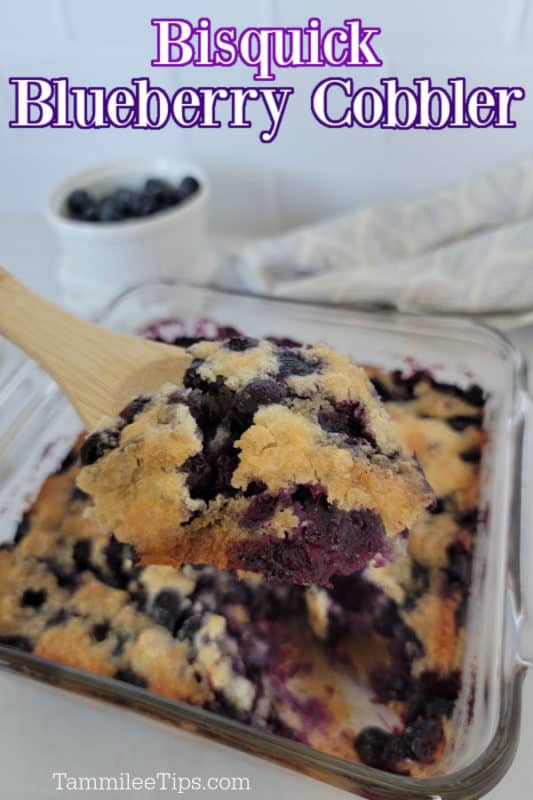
column 99, row 370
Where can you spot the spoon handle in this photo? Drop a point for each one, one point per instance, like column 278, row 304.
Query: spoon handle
column 88, row 362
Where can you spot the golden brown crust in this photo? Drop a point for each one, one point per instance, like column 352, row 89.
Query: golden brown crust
column 326, row 432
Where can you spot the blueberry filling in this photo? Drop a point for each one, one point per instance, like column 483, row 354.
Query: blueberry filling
column 33, row 598
column 294, row 363
column 20, row 642
column 472, row 456
column 404, row 388
column 69, row 460
column 418, row 586
column 66, row 578
column 387, row 751
column 222, row 415
column 240, row 343
column 130, row 676
column 190, row 628
column 78, row 494
column 326, row 541
column 81, row 553
column 433, row 696
column 167, row 609
column 460, row 423
column 458, row 571
column 100, row 631
column 59, row 618
column 97, row 445
column 439, row 506
column 468, row 519
column 129, row 413
column 381, row 389
column 259, row 511
column 192, row 379
column 22, row 528
column 185, row 341
column 120, row 562
column 348, row 419
column 264, row 392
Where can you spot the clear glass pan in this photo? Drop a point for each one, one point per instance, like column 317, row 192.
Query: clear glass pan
column 37, row 425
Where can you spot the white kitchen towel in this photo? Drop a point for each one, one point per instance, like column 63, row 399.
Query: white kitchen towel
column 465, row 249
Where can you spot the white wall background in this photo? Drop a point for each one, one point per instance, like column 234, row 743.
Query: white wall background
column 309, row 171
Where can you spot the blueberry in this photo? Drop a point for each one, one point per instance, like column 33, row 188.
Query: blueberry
column 82, row 205
column 161, row 193
column 33, row 598
column 188, row 186
column 474, row 395
column 123, row 200
column 155, row 186
column 143, row 204
column 97, row 445
column 439, row 506
column 81, row 553
column 199, row 476
column 109, row 211
column 240, row 343
column 100, row 631
column 293, row 363
column 78, row 494
column 461, row 422
column 67, row 462
column 58, row 618
column 371, row 745
column 423, row 738
column 261, row 392
column 190, row 628
column 129, row 676
column 22, row 528
column 437, row 707
column 117, row 554
column 186, row 341
column 472, row 456
column 348, row 419
column 381, row 389
column 167, row 608
column 172, row 197
column 20, row 642
column 468, row 519
column 459, row 568
column 191, row 379
column 129, row 413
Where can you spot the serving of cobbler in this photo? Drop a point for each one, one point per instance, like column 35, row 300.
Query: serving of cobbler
column 249, row 640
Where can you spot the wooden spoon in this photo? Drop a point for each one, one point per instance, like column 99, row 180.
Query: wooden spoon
column 99, row 370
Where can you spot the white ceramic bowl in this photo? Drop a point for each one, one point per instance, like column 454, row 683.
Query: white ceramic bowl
column 101, row 260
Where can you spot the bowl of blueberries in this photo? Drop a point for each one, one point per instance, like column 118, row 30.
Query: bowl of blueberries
column 127, row 223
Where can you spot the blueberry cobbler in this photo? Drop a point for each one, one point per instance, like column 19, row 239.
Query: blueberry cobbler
column 272, row 458
column 367, row 668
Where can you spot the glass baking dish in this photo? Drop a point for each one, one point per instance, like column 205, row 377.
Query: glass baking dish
column 37, row 426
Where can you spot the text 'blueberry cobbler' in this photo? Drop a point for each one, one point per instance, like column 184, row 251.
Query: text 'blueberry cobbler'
column 292, row 660
column 277, row 459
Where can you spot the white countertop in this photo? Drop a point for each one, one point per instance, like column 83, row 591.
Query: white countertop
column 47, row 730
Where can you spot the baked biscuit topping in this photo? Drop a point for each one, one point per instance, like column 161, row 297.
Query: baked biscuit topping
column 288, row 659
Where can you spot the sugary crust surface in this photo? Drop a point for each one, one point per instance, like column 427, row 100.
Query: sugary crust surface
column 281, row 658
column 176, row 473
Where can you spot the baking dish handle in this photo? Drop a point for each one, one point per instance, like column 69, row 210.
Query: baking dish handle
column 525, row 648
